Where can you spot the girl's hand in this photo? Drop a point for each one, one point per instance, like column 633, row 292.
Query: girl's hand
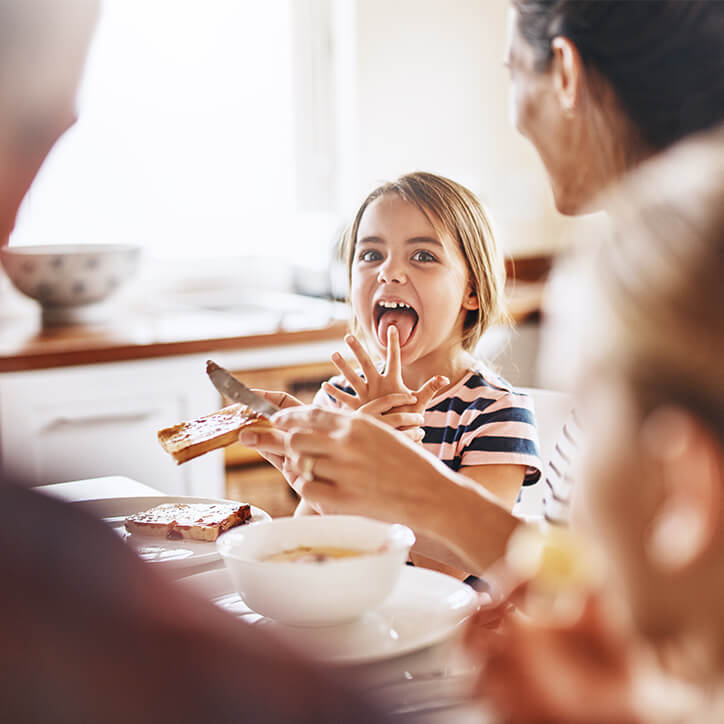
column 376, row 386
column 392, row 410
column 579, row 673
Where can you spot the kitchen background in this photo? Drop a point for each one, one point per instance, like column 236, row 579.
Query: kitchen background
column 237, row 128
column 232, row 140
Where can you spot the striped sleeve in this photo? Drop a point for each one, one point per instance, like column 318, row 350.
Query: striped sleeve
column 559, row 473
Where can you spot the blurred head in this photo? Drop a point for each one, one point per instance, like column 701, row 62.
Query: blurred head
column 43, row 44
column 652, row 391
column 599, row 86
column 426, row 241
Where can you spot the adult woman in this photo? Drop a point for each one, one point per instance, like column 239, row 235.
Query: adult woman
column 653, row 401
column 597, row 87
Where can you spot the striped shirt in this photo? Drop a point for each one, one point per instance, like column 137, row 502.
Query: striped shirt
column 481, row 420
column 559, row 473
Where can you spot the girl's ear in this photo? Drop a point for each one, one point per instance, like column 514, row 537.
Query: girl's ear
column 470, row 301
column 568, row 73
column 691, row 472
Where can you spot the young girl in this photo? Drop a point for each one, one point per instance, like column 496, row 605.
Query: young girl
column 426, row 280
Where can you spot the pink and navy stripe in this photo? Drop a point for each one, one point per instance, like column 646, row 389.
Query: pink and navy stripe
column 482, row 420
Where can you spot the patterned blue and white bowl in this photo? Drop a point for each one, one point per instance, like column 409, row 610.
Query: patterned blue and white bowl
column 65, row 279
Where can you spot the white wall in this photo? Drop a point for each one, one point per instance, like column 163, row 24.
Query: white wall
column 431, row 93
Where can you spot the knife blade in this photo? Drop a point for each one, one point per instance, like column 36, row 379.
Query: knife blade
column 237, row 391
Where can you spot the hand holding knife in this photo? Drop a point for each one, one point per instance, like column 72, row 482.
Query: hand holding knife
column 237, row 391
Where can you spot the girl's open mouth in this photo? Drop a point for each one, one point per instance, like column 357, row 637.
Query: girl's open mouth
column 401, row 314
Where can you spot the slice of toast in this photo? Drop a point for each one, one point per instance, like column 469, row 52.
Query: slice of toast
column 190, row 439
column 195, row 521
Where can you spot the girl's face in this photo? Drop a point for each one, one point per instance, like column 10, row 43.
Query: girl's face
column 405, row 273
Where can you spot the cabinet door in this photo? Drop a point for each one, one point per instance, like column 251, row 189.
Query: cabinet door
column 97, row 420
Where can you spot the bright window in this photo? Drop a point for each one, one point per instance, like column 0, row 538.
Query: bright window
column 187, row 137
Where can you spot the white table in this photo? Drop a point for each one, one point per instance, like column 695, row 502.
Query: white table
column 116, row 486
column 431, row 668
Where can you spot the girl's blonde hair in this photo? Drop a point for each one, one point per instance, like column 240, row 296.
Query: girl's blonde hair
column 661, row 281
column 456, row 212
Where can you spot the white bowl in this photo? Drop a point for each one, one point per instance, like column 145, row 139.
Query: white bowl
column 310, row 593
column 65, row 279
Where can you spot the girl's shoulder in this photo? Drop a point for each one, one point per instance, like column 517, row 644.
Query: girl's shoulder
column 483, row 380
column 479, row 388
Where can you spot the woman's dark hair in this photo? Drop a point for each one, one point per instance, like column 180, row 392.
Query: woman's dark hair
column 663, row 58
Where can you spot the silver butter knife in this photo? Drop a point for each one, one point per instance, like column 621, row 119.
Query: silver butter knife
column 237, row 391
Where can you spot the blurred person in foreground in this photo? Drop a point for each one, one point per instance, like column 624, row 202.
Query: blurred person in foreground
column 89, row 633
column 598, row 87
column 651, row 392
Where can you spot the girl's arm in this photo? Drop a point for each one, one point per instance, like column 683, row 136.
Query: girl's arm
column 504, row 482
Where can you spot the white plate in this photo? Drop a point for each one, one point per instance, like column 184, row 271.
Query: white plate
column 425, row 607
column 177, row 553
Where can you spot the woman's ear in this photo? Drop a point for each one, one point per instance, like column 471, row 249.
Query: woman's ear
column 470, row 300
column 690, row 469
column 568, row 73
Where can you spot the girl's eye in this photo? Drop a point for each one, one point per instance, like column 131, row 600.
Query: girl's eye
column 424, row 256
column 369, row 255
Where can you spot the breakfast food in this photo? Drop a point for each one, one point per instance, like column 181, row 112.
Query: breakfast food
column 190, row 439
column 195, row 521
column 313, row 554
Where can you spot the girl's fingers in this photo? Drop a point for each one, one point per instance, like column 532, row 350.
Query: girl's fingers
column 429, row 389
column 393, row 368
column 365, row 361
column 386, row 403
column 344, row 398
column 345, row 369
column 403, row 419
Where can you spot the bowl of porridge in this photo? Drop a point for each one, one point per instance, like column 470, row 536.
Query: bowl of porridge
column 316, row 570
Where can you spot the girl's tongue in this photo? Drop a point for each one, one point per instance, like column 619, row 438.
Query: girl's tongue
column 405, row 321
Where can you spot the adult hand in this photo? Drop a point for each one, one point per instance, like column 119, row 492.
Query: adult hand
column 270, row 442
column 360, row 466
column 579, row 673
column 374, row 385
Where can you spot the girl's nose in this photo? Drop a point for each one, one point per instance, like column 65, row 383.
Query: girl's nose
column 391, row 272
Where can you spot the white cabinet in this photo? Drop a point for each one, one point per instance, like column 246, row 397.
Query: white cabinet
column 71, row 423
column 94, row 420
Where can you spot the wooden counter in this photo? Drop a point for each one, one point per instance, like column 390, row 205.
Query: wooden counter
column 26, row 345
